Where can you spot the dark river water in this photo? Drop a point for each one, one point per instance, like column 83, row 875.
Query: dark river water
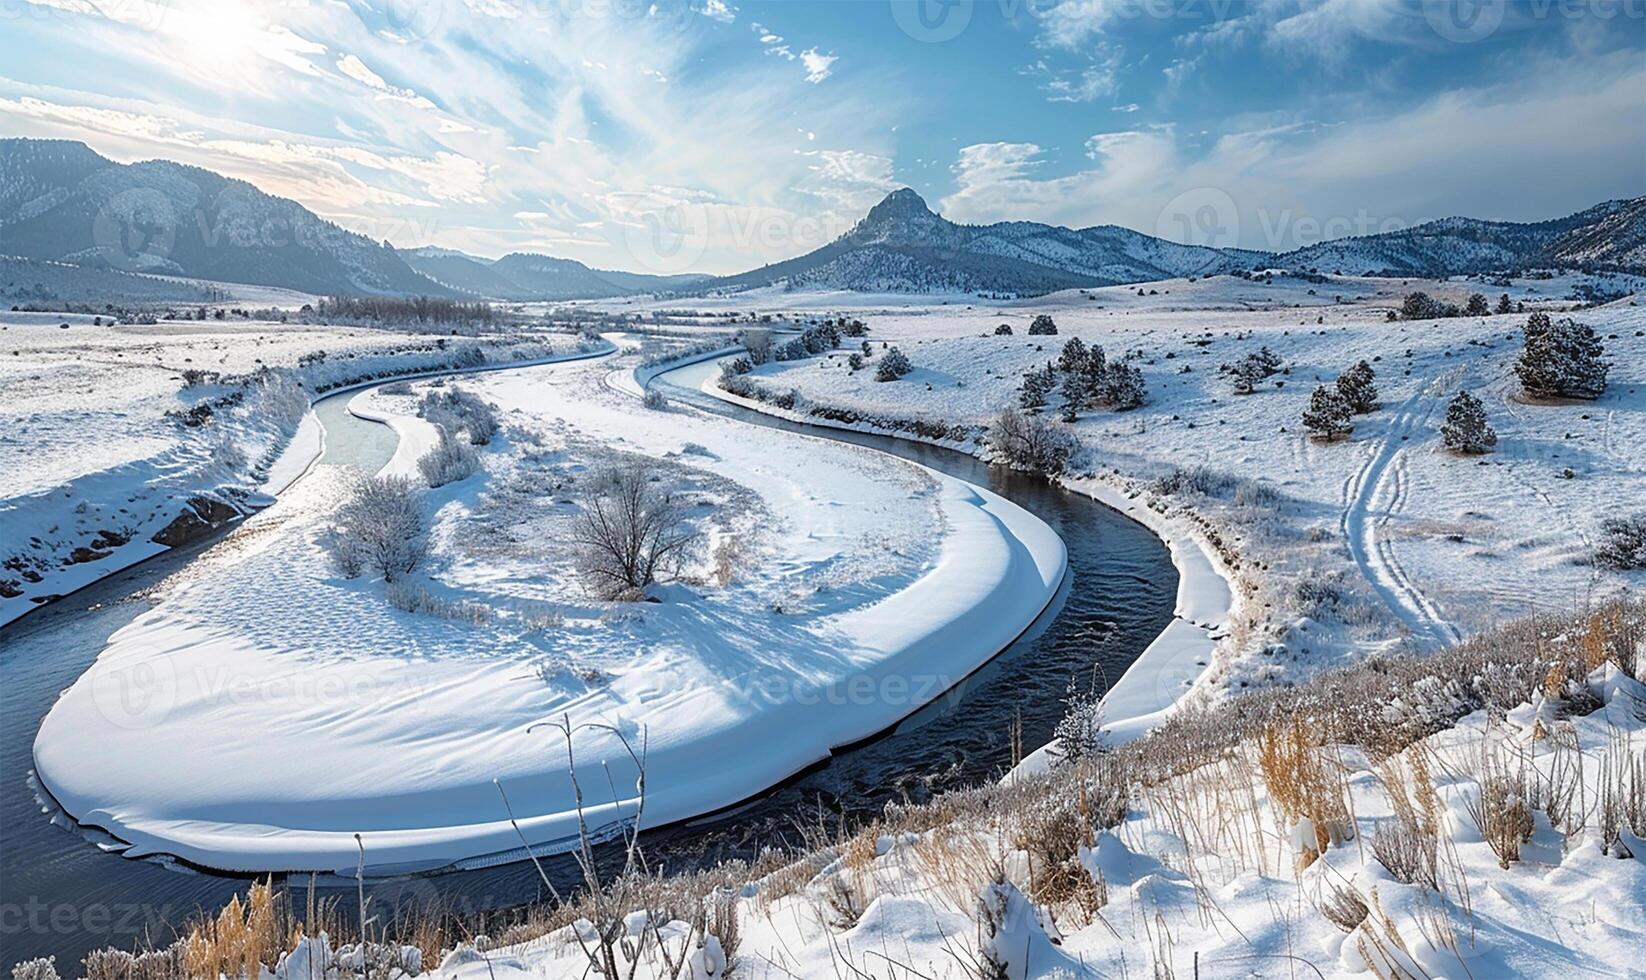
column 61, row 894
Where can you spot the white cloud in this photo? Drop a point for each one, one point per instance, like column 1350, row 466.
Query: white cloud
column 1486, row 152
column 719, row 10
column 818, row 66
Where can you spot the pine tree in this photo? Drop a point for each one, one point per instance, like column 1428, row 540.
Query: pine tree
column 1037, row 384
column 893, row 366
column 1466, row 429
column 1561, row 359
column 1328, row 415
column 1097, row 369
column 1477, row 306
column 1073, row 358
column 1074, row 392
column 1503, row 304
column 1004, row 330
column 1123, row 387
column 1042, row 326
column 1358, row 388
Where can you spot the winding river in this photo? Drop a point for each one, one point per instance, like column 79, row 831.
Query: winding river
column 61, row 895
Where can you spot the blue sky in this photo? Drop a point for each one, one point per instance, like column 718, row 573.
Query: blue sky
column 713, row 135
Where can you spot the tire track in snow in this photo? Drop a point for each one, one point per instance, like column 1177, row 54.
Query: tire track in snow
column 1383, row 477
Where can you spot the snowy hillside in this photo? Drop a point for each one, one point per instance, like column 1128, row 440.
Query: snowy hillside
column 1609, row 235
column 61, row 201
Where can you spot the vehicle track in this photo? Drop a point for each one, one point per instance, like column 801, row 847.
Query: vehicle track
column 1373, row 495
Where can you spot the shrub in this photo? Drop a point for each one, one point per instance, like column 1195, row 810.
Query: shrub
column 758, row 342
column 629, row 533
column 655, row 400
column 460, row 411
column 1561, row 359
column 1029, row 442
column 1622, row 544
column 1466, row 429
column 379, row 529
column 412, row 598
column 893, row 366
column 450, row 461
column 1042, row 326
column 1328, row 415
column 1004, row 330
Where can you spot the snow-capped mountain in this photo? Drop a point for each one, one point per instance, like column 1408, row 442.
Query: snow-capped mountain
column 60, row 200
column 1610, row 235
column 902, row 246
column 524, row 276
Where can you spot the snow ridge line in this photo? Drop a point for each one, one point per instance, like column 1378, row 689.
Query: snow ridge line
column 1383, row 478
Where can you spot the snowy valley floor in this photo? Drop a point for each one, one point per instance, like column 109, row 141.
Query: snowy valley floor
column 837, row 590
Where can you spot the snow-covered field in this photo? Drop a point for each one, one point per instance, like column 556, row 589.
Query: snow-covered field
column 1380, row 540
column 287, row 709
column 111, row 434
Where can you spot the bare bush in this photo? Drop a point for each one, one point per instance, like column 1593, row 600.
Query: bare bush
column 379, row 529
column 450, row 461
column 412, row 598
column 460, row 411
column 630, row 533
column 1029, row 442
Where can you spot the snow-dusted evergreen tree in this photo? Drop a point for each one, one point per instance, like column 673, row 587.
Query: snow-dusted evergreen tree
column 1422, row 306
column 1037, row 386
column 893, row 366
column 1358, row 388
column 1042, row 326
column 1123, row 387
column 1328, row 415
column 1561, row 359
column 1004, row 330
column 1477, row 306
column 1075, row 393
column 1622, row 544
column 1073, row 358
column 1251, row 369
column 1466, row 429
column 1097, row 368
column 1503, row 304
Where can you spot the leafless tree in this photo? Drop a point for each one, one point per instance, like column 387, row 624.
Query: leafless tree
column 630, row 532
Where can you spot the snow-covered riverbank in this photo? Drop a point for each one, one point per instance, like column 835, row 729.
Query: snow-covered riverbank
column 878, row 585
column 122, row 441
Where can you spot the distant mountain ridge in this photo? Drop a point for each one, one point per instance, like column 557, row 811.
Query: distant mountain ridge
column 902, row 246
column 60, row 201
column 526, row 276
column 1611, row 235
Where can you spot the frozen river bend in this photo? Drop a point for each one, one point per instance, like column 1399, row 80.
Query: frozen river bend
column 268, row 710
